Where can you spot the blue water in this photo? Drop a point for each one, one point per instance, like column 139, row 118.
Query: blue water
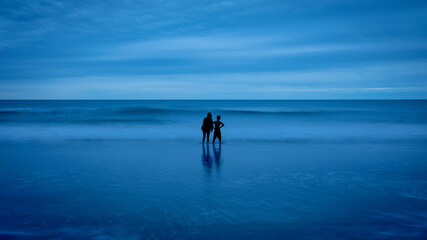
column 285, row 170
column 245, row 120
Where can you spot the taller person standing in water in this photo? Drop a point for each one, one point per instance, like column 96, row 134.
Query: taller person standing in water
column 207, row 126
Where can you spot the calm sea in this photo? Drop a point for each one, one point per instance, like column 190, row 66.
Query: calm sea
column 285, row 170
column 244, row 120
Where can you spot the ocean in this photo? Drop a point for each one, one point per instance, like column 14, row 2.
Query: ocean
column 285, row 170
column 245, row 120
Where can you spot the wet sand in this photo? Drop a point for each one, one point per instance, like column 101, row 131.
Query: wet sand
column 186, row 190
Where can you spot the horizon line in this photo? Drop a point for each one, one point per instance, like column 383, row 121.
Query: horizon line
column 308, row 99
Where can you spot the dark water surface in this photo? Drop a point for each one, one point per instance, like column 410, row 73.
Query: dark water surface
column 291, row 170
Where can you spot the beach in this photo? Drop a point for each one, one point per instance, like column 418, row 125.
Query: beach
column 325, row 170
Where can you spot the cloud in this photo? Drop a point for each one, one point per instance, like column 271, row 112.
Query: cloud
column 229, row 46
column 330, row 84
column 240, row 48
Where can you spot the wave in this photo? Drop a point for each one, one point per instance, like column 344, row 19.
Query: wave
column 59, row 111
column 41, row 111
column 149, row 110
column 301, row 112
column 156, row 130
column 92, row 121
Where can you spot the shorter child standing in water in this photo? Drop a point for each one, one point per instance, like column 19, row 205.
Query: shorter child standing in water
column 218, row 125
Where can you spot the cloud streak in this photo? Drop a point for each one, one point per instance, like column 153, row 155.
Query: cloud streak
column 332, row 84
column 243, row 49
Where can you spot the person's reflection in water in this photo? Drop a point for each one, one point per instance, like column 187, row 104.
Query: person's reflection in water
column 217, row 156
column 206, row 158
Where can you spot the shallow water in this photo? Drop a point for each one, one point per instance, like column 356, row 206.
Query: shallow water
column 354, row 185
column 245, row 120
column 172, row 189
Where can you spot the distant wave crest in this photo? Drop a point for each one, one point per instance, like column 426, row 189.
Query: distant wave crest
column 59, row 111
column 290, row 112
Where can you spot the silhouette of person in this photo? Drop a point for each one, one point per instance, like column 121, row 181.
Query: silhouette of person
column 218, row 125
column 207, row 126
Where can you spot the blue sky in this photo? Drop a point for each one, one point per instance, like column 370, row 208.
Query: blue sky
column 238, row 49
